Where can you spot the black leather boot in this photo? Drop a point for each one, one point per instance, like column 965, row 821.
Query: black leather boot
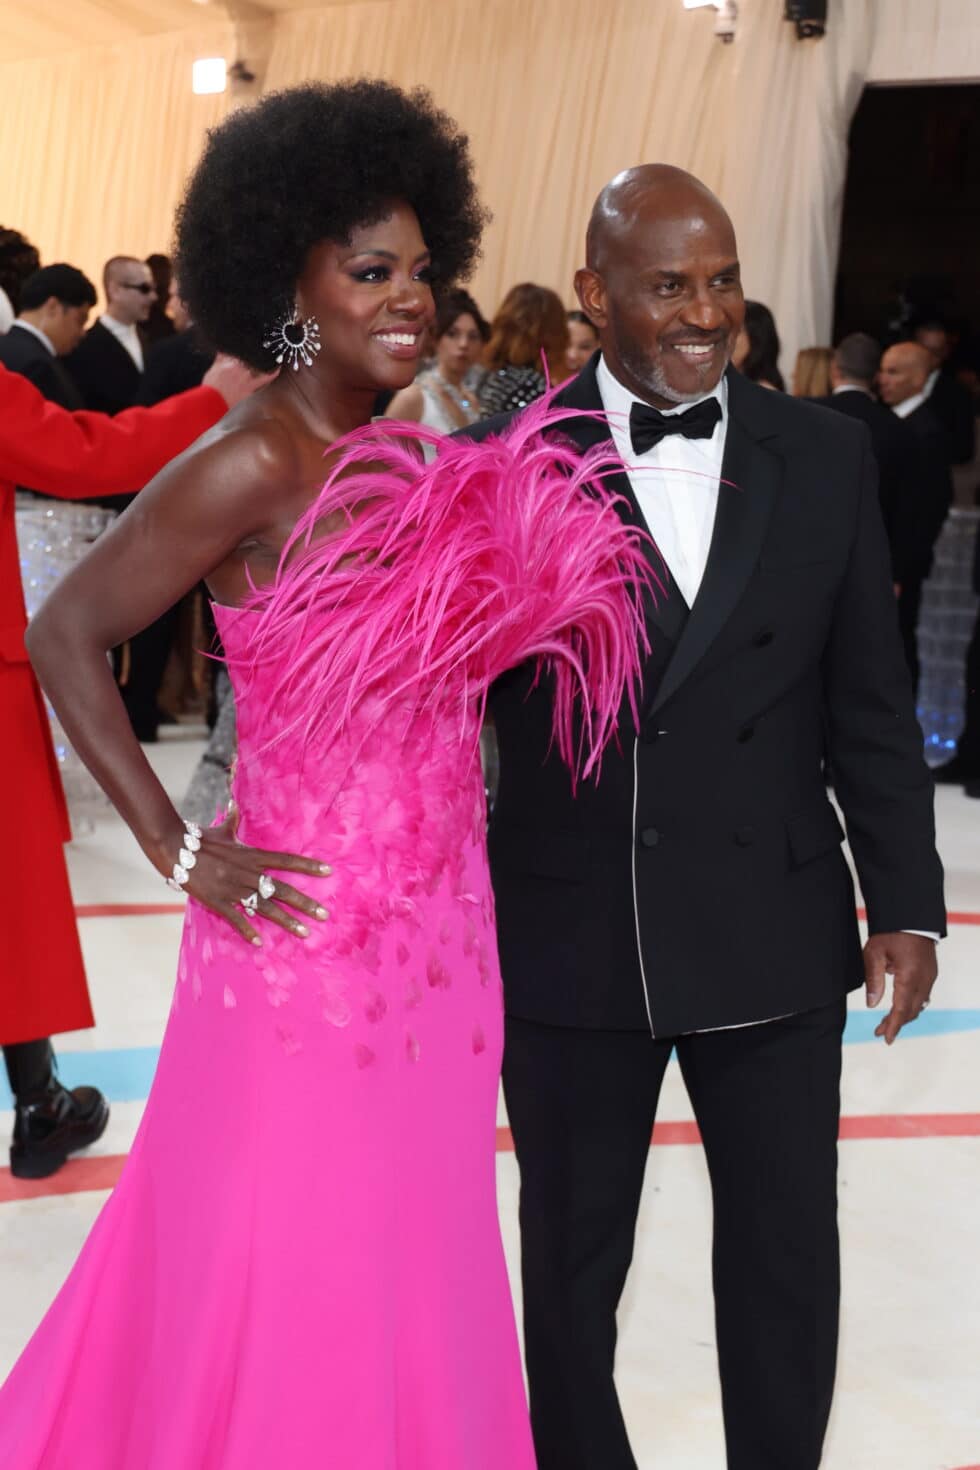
column 49, row 1121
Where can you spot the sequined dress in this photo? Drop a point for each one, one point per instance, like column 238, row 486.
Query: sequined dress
column 301, row 1264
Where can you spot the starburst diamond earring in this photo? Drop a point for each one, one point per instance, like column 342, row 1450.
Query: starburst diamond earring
column 294, row 338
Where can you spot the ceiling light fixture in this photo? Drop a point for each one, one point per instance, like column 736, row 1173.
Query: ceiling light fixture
column 209, row 74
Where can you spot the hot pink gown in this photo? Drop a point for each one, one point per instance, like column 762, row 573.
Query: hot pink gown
column 301, row 1264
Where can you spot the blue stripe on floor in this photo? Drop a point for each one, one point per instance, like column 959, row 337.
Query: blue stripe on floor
column 124, row 1074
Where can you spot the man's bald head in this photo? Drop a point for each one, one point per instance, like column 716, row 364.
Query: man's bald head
column 129, row 289
column 662, row 283
column 904, row 370
column 628, row 201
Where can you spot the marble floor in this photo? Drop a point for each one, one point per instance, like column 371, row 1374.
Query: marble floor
column 909, row 1384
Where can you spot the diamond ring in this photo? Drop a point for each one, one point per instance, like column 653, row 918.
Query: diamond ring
column 267, row 888
column 250, row 904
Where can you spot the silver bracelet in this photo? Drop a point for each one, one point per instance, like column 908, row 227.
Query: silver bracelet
column 186, row 858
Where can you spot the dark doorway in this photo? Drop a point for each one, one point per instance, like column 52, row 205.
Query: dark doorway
column 910, row 237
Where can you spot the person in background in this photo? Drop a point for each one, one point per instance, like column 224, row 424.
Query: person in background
column 440, row 397
column 949, row 400
column 54, row 308
column 583, row 341
column 69, row 456
column 108, row 363
column 853, row 369
column 18, row 260
column 756, row 352
column 527, row 347
column 902, row 379
column 176, row 362
column 811, row 373
column 159, row 325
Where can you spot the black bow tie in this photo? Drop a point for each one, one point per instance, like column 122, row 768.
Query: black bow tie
column 648, row 425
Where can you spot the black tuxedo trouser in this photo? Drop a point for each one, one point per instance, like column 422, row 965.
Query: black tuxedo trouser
column 767, row 1100
column 909, row 605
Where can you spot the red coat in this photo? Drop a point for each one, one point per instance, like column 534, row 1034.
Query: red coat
column 73, row 456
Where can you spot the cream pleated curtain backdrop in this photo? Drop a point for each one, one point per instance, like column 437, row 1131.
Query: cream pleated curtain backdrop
column 97, row 144
column 557, row 96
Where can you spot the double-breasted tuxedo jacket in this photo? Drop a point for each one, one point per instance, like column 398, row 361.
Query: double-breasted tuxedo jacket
column 700, row 883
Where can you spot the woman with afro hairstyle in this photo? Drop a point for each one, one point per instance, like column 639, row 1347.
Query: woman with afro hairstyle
column 301, row 1264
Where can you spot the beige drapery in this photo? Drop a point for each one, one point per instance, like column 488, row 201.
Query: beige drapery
column 557, row 95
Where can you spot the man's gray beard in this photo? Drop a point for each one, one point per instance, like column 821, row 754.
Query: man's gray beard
column 654, row 380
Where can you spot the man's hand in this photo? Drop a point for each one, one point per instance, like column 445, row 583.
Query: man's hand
column 912, row 960
column 233, row 380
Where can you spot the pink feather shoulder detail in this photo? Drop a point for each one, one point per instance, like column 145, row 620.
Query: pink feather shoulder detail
column 422, row 582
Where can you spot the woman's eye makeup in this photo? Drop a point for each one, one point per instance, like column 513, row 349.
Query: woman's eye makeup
column 373, row 274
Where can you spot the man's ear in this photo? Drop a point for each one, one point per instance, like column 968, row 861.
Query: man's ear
column 591, row 292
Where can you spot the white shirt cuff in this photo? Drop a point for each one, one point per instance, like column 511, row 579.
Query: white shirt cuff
column 923, row 934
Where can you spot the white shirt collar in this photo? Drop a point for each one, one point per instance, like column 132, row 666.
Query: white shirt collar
column 852, row 388
column 910, row 405
column 617, row 399
column 931, row 382
column 127, row 335
column 36, row 332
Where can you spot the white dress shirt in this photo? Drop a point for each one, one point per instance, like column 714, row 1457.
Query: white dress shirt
column 6, row 312
column 36, row 332
column 675, row 482
column 911, row 404
column 931, row 382
column 127, row 335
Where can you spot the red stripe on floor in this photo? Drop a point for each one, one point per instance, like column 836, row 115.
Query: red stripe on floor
column 79, row 1175
column 965, row 917
column 124, row 910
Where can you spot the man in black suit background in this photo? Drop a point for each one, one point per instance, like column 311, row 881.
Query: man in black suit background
column 174, row 363
column 949, row 400
column 55, row 303
column 177, row 362
column 696, row 897
column 108, row 363
column 853, row 371
column 902, row 379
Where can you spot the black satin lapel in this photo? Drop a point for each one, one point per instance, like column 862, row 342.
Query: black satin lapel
column 751, row 476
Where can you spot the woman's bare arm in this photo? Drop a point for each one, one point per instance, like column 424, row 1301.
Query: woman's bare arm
column 180, row 529
column 407, row 404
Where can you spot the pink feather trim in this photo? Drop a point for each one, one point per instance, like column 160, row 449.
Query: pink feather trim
column 424, row 582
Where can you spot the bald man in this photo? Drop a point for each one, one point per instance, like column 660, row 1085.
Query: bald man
column 902, row 383
column 695, row 899
column 107, row 365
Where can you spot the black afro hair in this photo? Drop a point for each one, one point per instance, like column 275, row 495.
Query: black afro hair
column 314, row 163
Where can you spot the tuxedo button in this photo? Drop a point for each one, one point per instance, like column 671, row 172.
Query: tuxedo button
column 650, row 734
column 745, row 836
column 745, row 734
column 649, row 837
column 763, row 639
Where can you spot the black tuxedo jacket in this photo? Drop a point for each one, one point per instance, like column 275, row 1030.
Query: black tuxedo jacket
column 953, row 406
column 105, row 374
column 21, row 352
column 173, row 364
column 700, row 881
column 935, row 487
column 896, row 451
